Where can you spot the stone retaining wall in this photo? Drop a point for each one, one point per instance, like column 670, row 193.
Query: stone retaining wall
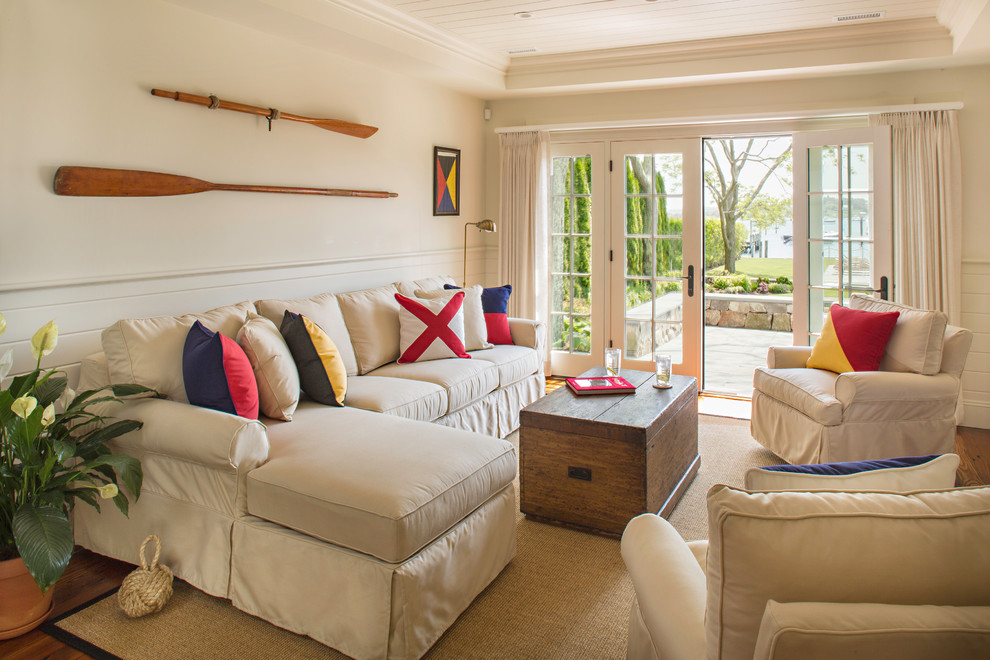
column 756, row 312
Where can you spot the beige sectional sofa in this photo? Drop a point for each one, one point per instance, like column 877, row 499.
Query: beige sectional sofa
column 369, row 527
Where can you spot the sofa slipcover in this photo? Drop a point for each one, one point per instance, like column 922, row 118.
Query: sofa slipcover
column 319, row 484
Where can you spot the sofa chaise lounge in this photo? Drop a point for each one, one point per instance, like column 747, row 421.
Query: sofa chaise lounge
column 368, row 527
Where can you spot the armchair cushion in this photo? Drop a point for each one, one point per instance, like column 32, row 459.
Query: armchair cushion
column 844, row 547
column 821, row 631
column 916, row 342
column 852, row 340
column 892, row 474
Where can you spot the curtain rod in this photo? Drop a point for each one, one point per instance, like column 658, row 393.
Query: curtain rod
column 731, row 119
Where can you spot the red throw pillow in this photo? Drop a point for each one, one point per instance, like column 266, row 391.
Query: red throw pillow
column 852, row 340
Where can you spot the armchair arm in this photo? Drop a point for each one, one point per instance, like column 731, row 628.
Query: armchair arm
column 840, row 630
column 670, row 591
column 788, row 357
column 897, row 387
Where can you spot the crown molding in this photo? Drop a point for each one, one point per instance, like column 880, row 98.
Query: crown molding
column 853, row 44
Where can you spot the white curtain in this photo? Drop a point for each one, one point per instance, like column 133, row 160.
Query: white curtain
column 523, row 229
column 927, row 209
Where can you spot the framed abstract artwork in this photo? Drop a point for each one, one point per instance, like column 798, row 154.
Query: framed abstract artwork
column 446, row 181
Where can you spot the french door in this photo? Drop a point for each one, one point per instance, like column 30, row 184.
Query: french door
column 843, row 240
column 656, row 276
column 625, row 254
column 578, row 244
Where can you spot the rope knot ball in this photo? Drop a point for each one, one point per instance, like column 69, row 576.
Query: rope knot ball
column 146, row 589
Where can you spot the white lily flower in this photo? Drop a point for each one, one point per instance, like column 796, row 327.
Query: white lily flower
column 44, row 340
column 24, row 406
column 48, row 415
column 3, row 324
column 6, row 363
column 108, row 492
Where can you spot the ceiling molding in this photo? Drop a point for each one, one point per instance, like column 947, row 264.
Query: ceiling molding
column 391, row 18
column 777, row 52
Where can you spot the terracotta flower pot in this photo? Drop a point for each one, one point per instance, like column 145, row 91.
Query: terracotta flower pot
column 22, row 605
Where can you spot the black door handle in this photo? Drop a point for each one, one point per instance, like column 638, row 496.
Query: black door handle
column 690, row 281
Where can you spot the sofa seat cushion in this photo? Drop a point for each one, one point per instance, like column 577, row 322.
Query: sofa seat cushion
column 413, row 399
column 465, row 381
column 324, row 478
column 810, row 391
column 512, row 362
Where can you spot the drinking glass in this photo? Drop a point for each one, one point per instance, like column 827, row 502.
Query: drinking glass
column 662, row 362
column 613, row 359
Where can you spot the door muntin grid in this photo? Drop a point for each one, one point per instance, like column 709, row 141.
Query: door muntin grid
column 570, row 254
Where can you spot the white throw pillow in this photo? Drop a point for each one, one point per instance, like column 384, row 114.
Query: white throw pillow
column 431, row 329
column 475, row 328
column 274, row 368
column 935, row 474
column 149, row 351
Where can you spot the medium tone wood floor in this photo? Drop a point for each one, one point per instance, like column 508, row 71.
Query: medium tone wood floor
column 90, row 575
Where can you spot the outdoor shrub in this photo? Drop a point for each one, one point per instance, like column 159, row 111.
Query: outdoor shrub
column 741, row 281
column 763, row 287
column 720, row 283
column 784, row 280
column 777, row 287
column 735, row 289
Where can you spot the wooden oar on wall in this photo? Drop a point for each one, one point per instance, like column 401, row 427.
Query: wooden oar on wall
column 335, row 125
column 103, row 182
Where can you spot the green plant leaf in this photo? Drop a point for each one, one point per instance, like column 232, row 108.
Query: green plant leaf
column 44, row 541
column 121, row 501
column 64, row 450
column 51, row 389
column 131, row 389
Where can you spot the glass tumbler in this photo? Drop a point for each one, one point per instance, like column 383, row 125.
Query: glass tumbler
column 613, row 360
column 662, row 362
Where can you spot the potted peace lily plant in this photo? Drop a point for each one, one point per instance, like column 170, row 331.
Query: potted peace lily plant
column 52, row 452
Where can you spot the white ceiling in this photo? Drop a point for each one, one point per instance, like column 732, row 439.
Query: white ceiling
column 610, row 44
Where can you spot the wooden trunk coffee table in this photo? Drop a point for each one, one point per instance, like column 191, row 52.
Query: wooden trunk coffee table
column 595, row 461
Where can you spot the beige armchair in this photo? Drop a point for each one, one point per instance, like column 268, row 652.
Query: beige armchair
column 909, row 407
column 806, row 575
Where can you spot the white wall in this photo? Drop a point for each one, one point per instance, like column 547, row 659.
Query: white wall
column 75, row 79
column 971, row 85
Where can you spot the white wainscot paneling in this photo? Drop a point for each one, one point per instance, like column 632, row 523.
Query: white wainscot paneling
column 83, row 309
column 976, row 317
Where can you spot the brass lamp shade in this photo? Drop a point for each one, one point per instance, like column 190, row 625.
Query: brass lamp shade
column 484, row 226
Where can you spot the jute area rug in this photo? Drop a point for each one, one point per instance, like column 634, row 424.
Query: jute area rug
column 565, row 595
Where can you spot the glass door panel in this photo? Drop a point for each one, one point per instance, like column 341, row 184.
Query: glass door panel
column 842, row 217
column 656, row 190
column 577, row 248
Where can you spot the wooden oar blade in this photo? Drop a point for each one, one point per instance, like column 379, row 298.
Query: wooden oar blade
column 105, row 182
column 347, row 128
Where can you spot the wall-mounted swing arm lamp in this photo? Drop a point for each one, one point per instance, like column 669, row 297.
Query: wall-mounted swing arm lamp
column 484, row 226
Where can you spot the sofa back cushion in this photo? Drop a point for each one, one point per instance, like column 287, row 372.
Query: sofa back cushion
column 408, row 288
column 372, row 318
column 324, row 311
column 842, row 547
column 149, row 351
column 915, row 346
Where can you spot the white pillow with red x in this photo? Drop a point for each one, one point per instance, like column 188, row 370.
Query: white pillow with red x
column 431, row 329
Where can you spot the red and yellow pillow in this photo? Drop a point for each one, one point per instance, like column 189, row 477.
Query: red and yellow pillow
column 852, row 340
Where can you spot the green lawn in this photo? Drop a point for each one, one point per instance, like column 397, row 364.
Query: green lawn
column 768, row 268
